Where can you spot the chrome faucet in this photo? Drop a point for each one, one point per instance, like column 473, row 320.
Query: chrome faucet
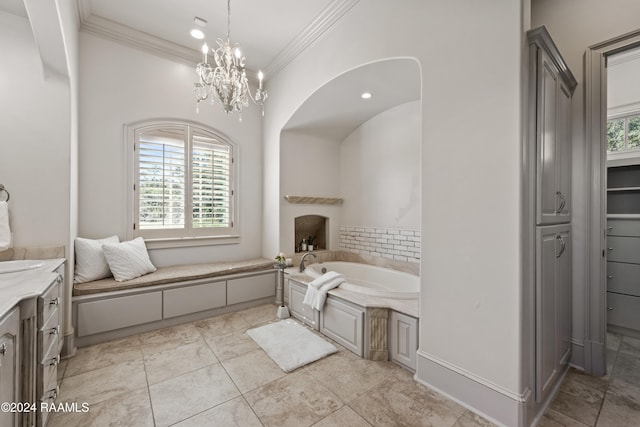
column 302, row 267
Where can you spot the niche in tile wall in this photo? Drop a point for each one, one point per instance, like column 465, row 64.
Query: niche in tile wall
column 311, row 226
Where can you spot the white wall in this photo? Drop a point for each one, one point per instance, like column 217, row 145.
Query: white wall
column 380, row 170
column 574, row 26
column 121, row 85
column 470, row 163
column 310, row 167
column 35, row 149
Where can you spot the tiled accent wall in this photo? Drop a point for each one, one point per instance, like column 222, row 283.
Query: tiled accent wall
column 392, row 243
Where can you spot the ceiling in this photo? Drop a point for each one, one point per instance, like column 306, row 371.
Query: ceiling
column 271, row 33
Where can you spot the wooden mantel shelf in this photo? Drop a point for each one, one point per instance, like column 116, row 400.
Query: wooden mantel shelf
column 310, row 200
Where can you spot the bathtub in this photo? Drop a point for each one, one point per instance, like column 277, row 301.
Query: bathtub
column 370, row 279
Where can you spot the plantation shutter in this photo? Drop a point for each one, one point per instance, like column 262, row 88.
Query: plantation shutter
column 161, row 179
column 211, row 183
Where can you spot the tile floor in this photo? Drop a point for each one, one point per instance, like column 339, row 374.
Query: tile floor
column 210, row 373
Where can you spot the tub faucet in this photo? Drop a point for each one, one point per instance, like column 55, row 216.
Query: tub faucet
column 302, row 267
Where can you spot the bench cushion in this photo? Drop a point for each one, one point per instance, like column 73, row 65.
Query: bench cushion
column 173, row 274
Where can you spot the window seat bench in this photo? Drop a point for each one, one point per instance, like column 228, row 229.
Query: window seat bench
column 105, row 309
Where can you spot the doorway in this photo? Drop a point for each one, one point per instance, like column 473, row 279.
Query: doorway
column 596, row 58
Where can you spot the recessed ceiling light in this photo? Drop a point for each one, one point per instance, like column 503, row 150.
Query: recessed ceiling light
column 197, row 34
column 366, row 95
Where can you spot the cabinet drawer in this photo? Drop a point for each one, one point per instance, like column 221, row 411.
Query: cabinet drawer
column 623, row 310
column 343, row 323
column 48, row 336
column 623, row 249
column 191, row 299
column 623, row 227
column 251, row 288
column 623, row 278
column 115, row 313
column 49, row 301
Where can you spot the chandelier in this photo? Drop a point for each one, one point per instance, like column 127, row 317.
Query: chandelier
column 227, row 82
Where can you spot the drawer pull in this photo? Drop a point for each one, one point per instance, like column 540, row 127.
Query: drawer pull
column 55, row 301
column 54, row 331
column 54, row 361
column 51, row 394
column 3, row 349
column 609, row 277
column 609, row 249
column 610, row 308
column 609, row 228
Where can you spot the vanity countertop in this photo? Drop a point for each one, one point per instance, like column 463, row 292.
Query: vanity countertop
column 20, row 285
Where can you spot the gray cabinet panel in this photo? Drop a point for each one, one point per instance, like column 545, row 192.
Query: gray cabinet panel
column 623, row 278
column 623, row 249
column 403, row 337
column 10, row 365
column 191, row 299
column 343, row 323
column 115, row 313
column 251, row 288
column 299, row 310
column 623, row 310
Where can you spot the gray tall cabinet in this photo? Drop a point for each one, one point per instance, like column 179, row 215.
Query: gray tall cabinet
column 551, row 86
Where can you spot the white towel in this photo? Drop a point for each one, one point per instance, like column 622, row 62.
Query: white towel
column 317, row 290
column 5, row 231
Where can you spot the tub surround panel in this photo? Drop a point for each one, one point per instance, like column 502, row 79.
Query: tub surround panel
column 389, row 243
column 342, row 255
column 49, row 252
column 378, row 333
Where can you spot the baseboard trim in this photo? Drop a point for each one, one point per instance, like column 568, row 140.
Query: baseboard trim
column 493, row 402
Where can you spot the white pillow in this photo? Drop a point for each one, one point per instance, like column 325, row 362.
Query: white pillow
column 128, row 260
column 90, row 261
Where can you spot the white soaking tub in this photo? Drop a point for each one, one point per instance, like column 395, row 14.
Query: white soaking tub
column 370, row 279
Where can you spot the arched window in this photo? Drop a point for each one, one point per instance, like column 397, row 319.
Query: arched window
column 183, row 183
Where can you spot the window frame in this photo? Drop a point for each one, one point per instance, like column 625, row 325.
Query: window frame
column 187, row 236
column 625, row 151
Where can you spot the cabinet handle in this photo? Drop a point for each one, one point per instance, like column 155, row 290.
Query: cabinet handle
column 54, row 361
column 55, row 301
column 609, row 228
column 563, row 246
column 609, row 277
column 609, row 249
column 563, row 201
column 3, row 349
column 610, row 308
column 55, row 331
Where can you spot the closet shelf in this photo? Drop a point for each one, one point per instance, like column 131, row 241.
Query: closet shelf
column 311, row 200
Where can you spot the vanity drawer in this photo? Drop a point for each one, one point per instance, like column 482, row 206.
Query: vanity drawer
column 49, row 301
column 48, row 337
column 623, row 249
column 623, row 227
column 623, row 278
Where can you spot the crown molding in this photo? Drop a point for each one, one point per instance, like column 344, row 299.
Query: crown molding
column 140, row 40
column 327, row 19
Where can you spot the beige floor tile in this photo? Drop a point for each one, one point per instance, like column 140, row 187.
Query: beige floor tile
column 252, row 370
column 627, row 368
column 104, row 354
column 220, row 325
column 169, row 338
column 103, row 383
column 344, row 416
column 129, row 409
column 630, row 346
column 175, row 362
column 296, row 400
column 470, row 419
column 611, row 361
column 578, row 401
column 259, row 315
column 621, row 405
column 230, row 345
column 613, row 341
column 553, row 418
column 599, row 383
column 182, row 397
column 62, row 367
column 234, row 413
column 350, row 376
column 404, row 402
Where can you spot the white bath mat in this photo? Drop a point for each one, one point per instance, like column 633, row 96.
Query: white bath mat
column 290, row 344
